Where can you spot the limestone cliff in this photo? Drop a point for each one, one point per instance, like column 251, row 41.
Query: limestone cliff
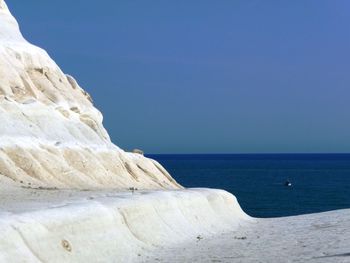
column 51, row 135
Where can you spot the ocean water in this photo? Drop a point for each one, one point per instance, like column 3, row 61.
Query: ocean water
column 319, row 182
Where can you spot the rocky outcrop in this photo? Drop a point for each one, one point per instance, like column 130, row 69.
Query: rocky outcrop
column 51, row 135
column 113, row 227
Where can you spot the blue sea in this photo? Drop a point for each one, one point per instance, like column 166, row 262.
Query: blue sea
column 320, row 182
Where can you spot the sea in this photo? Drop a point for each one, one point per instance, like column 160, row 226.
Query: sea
column 319, row 182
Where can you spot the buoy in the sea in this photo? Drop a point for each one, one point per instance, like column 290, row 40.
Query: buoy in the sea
column 288, row 183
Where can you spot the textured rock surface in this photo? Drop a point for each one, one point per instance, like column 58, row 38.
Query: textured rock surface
column 105, row 226
column 314, row 238
column 50, row 134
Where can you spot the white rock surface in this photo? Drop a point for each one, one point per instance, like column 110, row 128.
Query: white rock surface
column 50, row 134
column 314, row 238
column 106, row 226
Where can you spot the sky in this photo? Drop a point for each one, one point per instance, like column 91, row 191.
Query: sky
column 205, row 76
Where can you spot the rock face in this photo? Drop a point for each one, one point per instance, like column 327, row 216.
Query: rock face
column 50, row 133
column 97, row 226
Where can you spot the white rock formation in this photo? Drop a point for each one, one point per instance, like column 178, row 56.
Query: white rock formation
column 50, row 133
column 91, row 226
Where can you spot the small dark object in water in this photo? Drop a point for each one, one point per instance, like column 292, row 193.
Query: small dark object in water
column 288, row 183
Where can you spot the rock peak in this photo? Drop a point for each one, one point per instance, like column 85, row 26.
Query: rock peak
column 51, row 135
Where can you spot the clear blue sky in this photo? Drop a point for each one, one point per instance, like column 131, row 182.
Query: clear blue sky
column 206, row 76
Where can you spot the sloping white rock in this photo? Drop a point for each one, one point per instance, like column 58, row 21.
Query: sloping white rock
column 83, row 226
column 50, row 133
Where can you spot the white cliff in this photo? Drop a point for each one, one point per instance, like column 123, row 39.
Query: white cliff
column 51, row 135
